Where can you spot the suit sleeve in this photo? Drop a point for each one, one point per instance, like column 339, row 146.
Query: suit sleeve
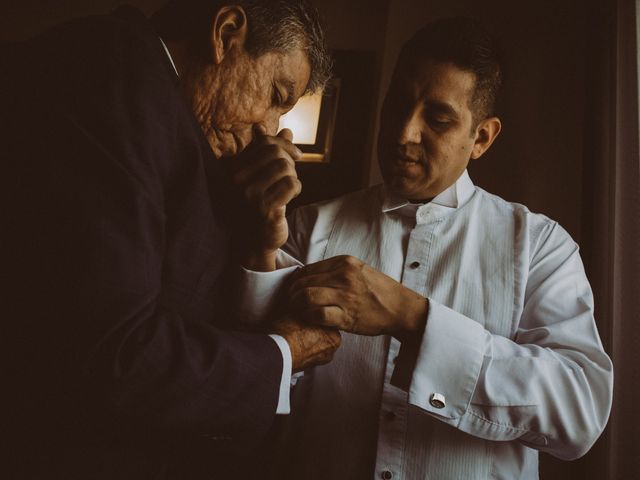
column 95, row 320
column 144, row 358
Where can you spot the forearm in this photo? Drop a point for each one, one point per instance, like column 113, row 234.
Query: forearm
column 188, row 377
column 547, row 389
column 260, row 262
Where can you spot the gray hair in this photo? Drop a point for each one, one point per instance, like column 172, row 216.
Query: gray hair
column 274, row 26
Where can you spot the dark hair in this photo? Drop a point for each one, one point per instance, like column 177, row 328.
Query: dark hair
column 468, row 45
column 274, row 26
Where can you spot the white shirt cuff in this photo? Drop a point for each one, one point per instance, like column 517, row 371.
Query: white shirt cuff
column 284, row 260
column 448, row 363
column 284, row 407
column 259, row 289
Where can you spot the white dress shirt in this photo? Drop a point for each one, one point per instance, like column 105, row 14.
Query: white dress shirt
column 283, row 406
column 510, row 361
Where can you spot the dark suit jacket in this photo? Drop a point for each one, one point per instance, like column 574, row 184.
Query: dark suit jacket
column 113, row 256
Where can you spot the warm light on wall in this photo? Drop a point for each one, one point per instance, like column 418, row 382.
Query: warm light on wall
column 312, row 120
column 303, row 119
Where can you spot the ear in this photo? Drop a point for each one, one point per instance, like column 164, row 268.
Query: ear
column 486, row 133
column 229, row 31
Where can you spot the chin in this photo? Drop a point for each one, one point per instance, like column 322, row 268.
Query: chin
column 409, row 188
column 401, row 186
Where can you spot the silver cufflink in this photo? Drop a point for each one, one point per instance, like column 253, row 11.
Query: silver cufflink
column 437, row 400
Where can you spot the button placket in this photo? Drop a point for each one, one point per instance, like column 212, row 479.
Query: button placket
column 392, row 431
column 416, row 260
column 392, row 421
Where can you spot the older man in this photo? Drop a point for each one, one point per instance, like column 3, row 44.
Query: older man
column 117, row 221
column 476, row 343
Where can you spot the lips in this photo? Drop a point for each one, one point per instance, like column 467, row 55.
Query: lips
column 405, row 154
column 405, row 163
column 407, row 160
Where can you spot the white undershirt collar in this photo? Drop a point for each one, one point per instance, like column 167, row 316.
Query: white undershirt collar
column 452, row 197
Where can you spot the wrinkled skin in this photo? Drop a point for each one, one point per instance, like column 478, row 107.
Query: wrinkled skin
column 312, row 345
column 237, row 100
column 238, row 103
column 245, row 95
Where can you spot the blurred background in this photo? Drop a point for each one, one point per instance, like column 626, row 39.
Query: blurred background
column 568, row 149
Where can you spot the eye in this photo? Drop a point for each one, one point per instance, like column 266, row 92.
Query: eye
column 439, row 123
column 276, row 97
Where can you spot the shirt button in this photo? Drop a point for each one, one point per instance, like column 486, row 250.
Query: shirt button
column 414, row 265
column 437, row 400
column 390, row 415
column 387, row 475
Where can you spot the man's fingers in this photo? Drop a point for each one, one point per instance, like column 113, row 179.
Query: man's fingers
column 341, row 262
column 328, row 279
column 335, row 337
column 245, row 171
column 268, row 177
column 286, row 139
column 282, row 192
column 330, row 316
column 311, row 297
column 333, row 342
column 286, row 134
column 282, row 139
column 310, row 344
column 259, row 130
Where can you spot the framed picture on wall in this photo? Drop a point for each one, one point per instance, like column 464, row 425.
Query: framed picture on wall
column 336, row 150
column 312, row 122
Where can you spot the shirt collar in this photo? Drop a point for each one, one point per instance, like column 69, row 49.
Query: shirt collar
column 169, row 55
column 453, row 197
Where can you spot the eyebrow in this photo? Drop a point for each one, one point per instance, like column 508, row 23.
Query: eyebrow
column 441, row 108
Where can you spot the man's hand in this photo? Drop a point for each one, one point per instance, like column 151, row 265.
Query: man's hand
column 265, row 178
column 310, row 345
column 344, row 292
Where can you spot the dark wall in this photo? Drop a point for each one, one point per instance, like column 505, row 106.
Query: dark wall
column 537, row 160
column 21, row 19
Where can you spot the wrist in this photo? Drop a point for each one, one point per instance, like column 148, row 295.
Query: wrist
column 414, row 319
column 260, row 262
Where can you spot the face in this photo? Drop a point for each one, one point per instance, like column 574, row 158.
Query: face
column 244, row 94
column 426, row 137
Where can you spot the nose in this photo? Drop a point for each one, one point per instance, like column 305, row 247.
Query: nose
column 409, row 130
column 271, row 123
